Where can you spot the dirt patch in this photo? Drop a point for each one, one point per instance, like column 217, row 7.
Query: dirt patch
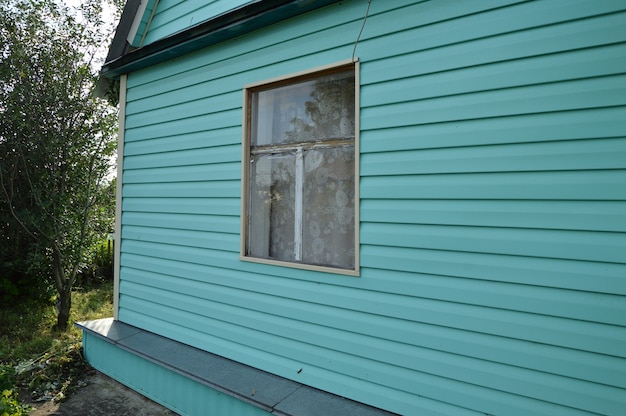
column 101, row 396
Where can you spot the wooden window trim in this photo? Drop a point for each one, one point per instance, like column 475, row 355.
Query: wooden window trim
column 245, row 171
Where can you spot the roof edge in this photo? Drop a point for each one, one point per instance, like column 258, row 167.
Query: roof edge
column 119, row 44
column 245, row 19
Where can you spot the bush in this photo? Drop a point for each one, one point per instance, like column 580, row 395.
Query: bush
column 23, row 272
column 9, row 401
column 103, row 259
column 7, row 377
column 10, row 405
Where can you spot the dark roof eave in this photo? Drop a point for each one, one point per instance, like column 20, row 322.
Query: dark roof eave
column 249, row 17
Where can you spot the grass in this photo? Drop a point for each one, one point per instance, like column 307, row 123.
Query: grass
column 28, row 329
column 48, row 363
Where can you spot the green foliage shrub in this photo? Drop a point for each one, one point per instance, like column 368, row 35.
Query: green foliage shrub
column 98, row 267
column 10, row 405
column 23, row 268
column 9, row 401
column 103, row 259
column 7, row 377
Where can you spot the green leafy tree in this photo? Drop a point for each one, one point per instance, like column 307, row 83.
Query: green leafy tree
column 56, row 139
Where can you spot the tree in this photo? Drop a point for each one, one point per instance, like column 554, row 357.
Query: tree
column 56, row 139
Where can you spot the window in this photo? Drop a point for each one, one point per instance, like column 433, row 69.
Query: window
column 300, row 198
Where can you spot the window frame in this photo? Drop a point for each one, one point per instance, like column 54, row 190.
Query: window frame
column 276, row 82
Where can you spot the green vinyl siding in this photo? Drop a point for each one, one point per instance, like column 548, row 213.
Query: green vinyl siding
column 172, row 16
column 493, row 207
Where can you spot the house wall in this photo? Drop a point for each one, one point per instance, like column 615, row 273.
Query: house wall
column 493, row 209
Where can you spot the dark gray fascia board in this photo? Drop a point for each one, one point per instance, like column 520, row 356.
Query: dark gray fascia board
column 245, row 19
column 120, row 45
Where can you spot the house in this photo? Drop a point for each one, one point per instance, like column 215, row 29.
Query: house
column 370, row 207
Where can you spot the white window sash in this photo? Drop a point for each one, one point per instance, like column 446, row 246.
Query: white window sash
column 298, row 205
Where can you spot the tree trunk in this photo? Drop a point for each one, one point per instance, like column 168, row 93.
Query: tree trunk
column 63, row 285
column 64, row 304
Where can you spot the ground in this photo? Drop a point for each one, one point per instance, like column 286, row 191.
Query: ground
column 101, row 396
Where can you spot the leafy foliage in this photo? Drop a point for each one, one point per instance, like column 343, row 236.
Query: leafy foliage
column 9, row 400
column 10, row 405
column 56, row 142
column 7, row 377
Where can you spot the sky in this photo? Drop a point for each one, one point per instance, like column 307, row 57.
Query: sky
column 108, row 8
column 110, row 23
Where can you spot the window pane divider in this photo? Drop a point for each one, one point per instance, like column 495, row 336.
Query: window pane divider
column 280, row 148
column 299, row 187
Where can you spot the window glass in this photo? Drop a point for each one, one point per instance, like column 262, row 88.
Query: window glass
column 319, row 109
column 272, row 204
column 328, row 232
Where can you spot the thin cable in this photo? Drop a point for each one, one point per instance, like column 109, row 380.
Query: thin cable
column 367, row 11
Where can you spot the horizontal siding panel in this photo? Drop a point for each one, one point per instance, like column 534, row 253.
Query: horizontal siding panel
column 206, row 281
column 202, row 156
column 209, row 206
column 480, row 373
column 563, row 215
column 602, row 339
column 188, row 79
column 196, row 255
column 569, row 304
column 194, row 222
column 564, row 96
column 401, row 379
column 590, row 185
column 573, row 155
column 244, row 318
column 201, row 239
column 227, row 79
column 194, row 83
column 575, row 245
column 418, row 14
column 196, row 140
column 613, row 59
column 577, row 275
column 437, row 53
column 197, row 173
column 208, row 189
column 609, row 60
column 198, row 76
column 229, row 86
column 178, row 106
column 570, row 125
column 224, row 119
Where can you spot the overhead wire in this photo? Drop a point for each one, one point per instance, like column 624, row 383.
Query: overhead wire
column 367, row 11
